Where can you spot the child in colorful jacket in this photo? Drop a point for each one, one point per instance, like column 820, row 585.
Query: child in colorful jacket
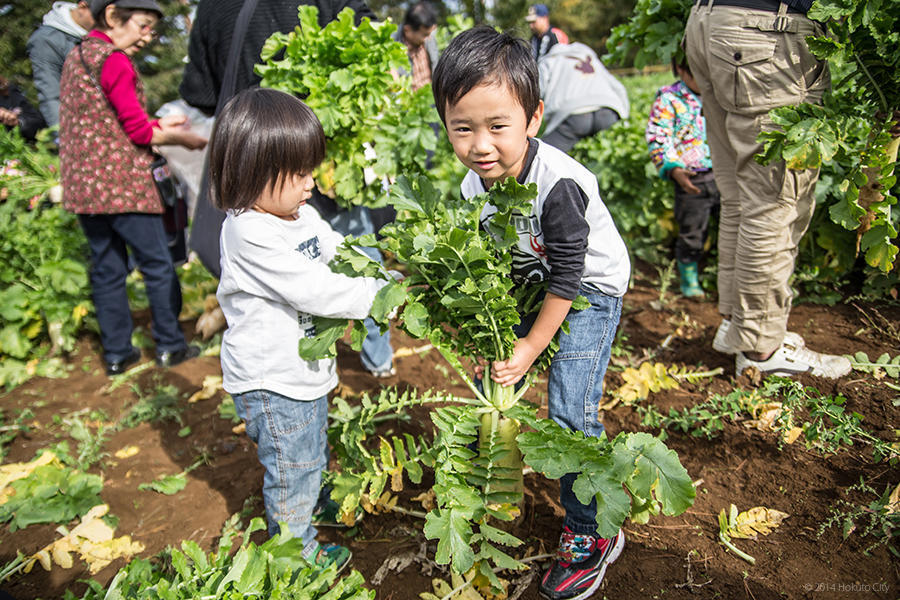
column 676, row 136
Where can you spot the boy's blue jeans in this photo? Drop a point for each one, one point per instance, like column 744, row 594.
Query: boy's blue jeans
column 575, row 387
column 292, row 445
column 377, row 354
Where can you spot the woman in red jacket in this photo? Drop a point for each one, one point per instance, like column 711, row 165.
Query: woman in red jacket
column 105, row 155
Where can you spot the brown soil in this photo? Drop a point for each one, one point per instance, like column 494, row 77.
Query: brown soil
column 676, row 557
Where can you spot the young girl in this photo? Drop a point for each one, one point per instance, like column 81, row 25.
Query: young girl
column 274, row 256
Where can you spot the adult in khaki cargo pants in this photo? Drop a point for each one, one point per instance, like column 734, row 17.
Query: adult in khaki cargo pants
column 748, row 57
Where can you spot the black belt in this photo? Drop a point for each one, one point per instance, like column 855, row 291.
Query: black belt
column 768, row 5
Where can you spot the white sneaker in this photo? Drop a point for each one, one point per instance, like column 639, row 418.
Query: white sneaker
column 790, row 360
column 720, row 345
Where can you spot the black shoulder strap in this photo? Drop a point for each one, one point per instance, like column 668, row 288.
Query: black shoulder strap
column 229, row 80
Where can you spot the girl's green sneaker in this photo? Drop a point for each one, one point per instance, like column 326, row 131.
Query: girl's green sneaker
column 690, row 285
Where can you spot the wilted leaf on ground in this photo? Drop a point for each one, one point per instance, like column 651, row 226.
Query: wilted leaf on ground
column 427, row 499
column 755, row 521
column 649, row 377
column 15, row 471
column 211, row 385
column 127, row 452
column 93, row 539
column 893, row 505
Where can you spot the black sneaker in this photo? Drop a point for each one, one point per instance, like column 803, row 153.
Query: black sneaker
column 580, row 564
column 120, row 366
column 170, row 359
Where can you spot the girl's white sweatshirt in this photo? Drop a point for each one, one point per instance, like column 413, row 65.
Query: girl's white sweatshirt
column 275, row 277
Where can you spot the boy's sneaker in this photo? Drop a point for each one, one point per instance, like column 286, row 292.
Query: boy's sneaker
column 580, row 564
column 720, row 345
column 790, row 360
column 332, row 554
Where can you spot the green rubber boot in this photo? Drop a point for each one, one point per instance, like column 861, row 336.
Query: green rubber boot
column 690, row 286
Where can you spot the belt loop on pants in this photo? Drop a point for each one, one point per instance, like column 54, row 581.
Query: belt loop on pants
column 781, row 21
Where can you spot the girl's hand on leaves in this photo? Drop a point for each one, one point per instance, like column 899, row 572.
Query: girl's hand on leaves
column 509, row 372
column 479, row 367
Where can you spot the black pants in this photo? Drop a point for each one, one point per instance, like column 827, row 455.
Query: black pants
column 692, row 213
column 576, row 127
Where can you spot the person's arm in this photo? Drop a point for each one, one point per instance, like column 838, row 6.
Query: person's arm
column 565, row 232
column 199, row 85
column 46, row 68
column 660, row 135
column 30, row 120
column 263, row 267
column 118, row 79
column 550, row 318
column 360, row 8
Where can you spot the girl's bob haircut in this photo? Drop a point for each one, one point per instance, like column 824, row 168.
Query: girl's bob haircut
column 261, row 138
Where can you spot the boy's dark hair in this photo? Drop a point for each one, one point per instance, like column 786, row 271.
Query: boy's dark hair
column 260, row 138
column 481, row 56
column 680, row 63
column 419, row 15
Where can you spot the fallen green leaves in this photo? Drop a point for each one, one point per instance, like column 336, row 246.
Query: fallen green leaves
column 45, row 491
column 879, row 368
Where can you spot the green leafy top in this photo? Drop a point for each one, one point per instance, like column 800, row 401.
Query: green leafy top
column 460, row 290
column 653, row 34
column 348, row 76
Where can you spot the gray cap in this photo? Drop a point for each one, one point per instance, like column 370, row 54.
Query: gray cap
column 97, row 6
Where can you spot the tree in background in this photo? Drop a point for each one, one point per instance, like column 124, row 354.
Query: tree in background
column 160, row 66
column 19, row 19
column 585, row 21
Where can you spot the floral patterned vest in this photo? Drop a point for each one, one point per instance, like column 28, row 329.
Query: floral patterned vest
column 102, row 170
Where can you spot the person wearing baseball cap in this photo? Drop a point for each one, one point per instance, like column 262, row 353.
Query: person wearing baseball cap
column 105, row 155
column 543, row 35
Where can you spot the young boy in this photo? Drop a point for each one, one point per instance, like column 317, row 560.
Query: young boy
column 676, row 136
column 487, row 94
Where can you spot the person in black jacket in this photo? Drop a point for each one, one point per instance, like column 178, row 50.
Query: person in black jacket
column 17, row 111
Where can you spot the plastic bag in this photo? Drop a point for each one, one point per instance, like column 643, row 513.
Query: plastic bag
column 187, row 164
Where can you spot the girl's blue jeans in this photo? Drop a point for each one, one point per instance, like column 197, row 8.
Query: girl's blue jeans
column 292, row 446
column 575, row 387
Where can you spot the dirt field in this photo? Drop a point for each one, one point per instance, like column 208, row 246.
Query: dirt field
column 673, row 558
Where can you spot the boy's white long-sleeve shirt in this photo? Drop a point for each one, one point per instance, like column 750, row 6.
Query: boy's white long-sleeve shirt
column 275, row 276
